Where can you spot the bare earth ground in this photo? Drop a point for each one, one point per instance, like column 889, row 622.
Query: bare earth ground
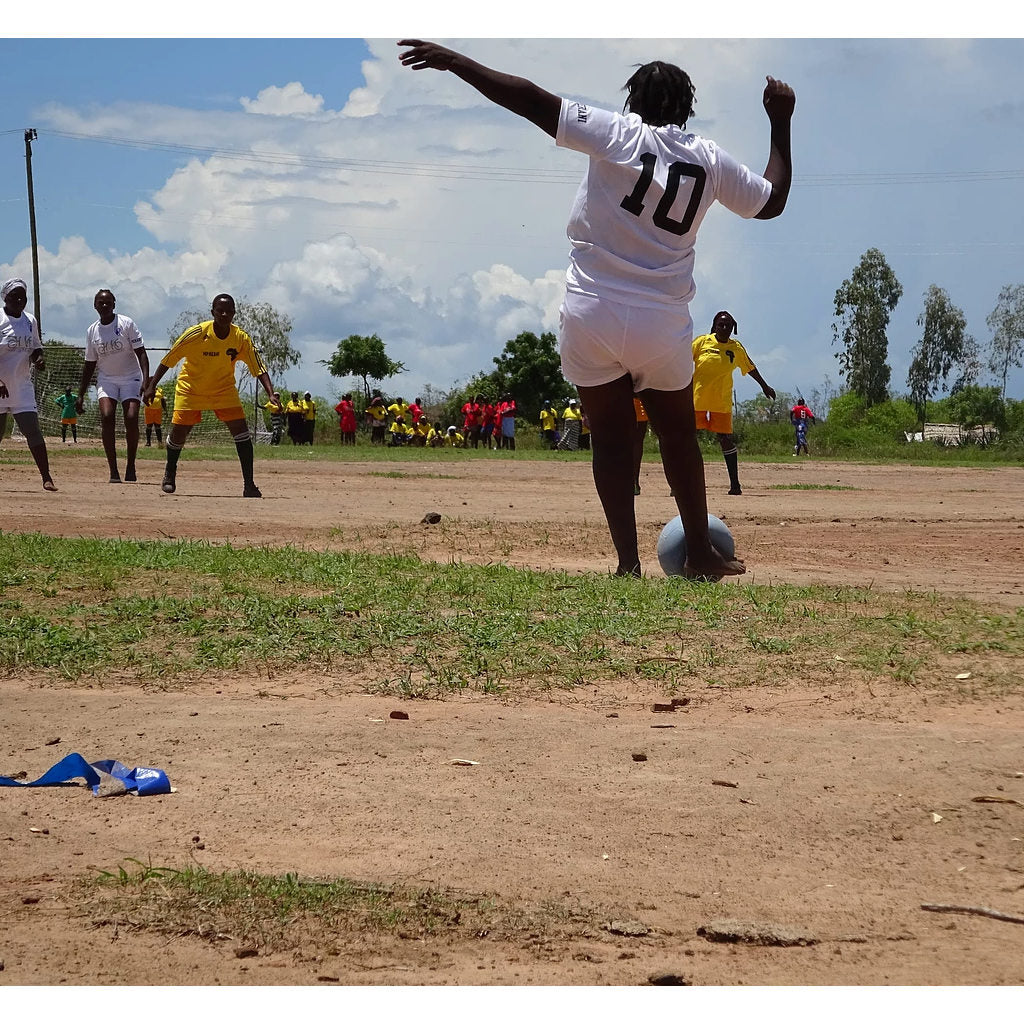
column 829, row 829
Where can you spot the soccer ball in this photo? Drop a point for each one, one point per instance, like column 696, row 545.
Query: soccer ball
column 672, row 544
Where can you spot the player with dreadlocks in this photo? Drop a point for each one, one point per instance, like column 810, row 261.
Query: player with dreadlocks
column 625, row 321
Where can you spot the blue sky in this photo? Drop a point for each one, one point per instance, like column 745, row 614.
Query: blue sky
column 358, row 196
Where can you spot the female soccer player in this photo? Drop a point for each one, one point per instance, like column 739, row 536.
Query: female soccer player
column 207, row 382
column 626, row 327
column 20, row 351
column 115, row 350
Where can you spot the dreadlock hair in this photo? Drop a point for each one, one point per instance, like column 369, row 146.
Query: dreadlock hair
column 661, row 94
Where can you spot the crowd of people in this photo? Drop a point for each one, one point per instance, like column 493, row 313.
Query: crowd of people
column 484, row 423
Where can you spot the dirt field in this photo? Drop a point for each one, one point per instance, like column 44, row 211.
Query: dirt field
column 827, row 826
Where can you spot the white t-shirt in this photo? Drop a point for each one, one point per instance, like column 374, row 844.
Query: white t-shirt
column 634, row 221
column 112, row 348
column 19, row 338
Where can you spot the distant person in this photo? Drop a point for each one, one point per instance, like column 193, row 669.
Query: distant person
column 584, row 430
column 154, row 416
column 208, row 353
column 571, row 419
column 296, row 417
column 453, row 439
column 507, row 419
column 400, row 431
column 488, row 423
column 376, row 414
column 346, row 411
column 549, row 424
column 115, row 350
column 20, row 351
column 308, row 419
column 801, row 417
column 435, row 436
column 275, row 409
column 415, row 411
column 715, row 357
column 68, row 415
column 472, row 421
column 625, row 324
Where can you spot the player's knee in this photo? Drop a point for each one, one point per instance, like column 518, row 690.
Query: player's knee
column 28, row 424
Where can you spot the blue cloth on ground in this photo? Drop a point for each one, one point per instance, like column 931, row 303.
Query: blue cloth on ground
column 105, row 778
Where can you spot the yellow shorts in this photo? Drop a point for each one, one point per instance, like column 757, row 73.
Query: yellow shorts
column 190, row 417
column 716, row 422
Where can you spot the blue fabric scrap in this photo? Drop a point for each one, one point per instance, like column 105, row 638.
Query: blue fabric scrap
column 105, row 778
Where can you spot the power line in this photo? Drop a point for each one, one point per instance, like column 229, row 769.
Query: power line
column 521, row 174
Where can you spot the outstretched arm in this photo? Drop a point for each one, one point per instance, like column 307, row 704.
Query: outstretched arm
column 519, row 95
column 779, row 101
column 769, row 391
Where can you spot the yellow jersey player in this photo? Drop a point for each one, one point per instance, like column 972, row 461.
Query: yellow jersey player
column 715, row 357
column 208, row 353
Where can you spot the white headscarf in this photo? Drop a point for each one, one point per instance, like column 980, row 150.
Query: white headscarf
column 8, row 286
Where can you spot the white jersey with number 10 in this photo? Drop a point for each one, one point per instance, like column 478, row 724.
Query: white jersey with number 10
column 634, row 222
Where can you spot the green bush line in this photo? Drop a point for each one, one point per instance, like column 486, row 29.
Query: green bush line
column 77, row 608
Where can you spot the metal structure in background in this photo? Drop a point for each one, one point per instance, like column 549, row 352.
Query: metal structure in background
column 30, row 135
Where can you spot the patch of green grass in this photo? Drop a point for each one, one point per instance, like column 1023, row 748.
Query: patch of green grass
column 275, row 912
column 166, row 613
column 810, row 487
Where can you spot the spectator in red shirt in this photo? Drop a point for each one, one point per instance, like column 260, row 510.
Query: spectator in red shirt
column 471, row 421
column 488, row 421
column 507, row 418
column 346, row 411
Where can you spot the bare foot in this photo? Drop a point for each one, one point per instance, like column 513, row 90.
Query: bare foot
column 49, row 485
column 713, row 569
column 634, row 571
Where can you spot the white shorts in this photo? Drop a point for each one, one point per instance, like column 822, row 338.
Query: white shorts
column 21, row 398
column 602, row 340
column 120, row 389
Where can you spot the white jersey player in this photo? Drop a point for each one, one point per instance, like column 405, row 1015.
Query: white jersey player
column 115, row 350
column 625, row 322
column 20, row 350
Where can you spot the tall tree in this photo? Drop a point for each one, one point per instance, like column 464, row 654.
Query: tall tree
column 270, row 332
column 1006, row 322
column 863, row 305
column 944, row 344
column 365, row 357
column 530, row 369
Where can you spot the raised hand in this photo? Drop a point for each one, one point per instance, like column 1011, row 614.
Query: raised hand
column 426, row 55
column 779, row 99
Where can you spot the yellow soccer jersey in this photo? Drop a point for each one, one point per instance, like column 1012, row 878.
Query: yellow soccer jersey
column 548, row 420
column 713, row 364
column 378, row 412
column 207, row 376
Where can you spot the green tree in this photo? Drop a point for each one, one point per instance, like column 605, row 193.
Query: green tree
column 364, row 357
column 529, row 368
column 944, row 344
column 863, row 304
column 1006, row 322
column 976, row 406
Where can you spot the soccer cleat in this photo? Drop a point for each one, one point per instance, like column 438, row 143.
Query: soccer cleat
column 129, row 475
column 168, row 485
column 252, row 491
column 115, row 478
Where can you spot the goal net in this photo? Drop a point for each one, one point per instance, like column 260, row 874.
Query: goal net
column 63, row 369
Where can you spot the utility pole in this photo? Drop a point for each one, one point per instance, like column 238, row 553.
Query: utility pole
column 30, row 134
